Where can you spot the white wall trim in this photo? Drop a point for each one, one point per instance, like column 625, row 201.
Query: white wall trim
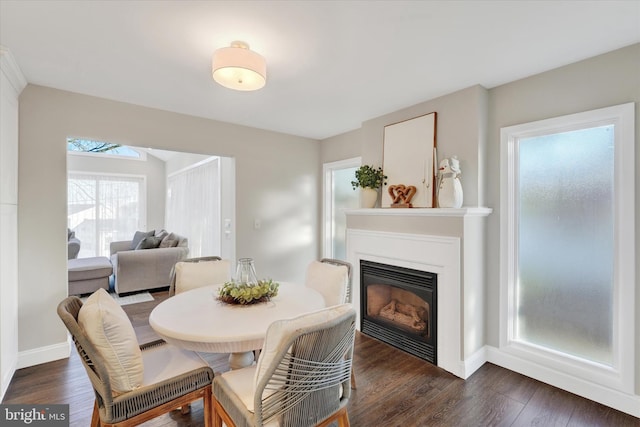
column 49, row 353
column 474, row 362
column 7, row 375
column 621, row 401
column 10, row 69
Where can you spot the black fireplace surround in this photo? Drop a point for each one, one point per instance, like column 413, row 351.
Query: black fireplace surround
column 398, row 306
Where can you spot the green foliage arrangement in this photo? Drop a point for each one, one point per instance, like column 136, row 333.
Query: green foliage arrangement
column 245, row 294
column 368, row 176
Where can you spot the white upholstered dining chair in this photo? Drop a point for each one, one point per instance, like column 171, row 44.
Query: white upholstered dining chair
column 332, row 278
column 193, row 273
column 301, row 378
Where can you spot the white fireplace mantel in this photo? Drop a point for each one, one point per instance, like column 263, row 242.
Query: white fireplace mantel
column 426, row 212
column 448, row 242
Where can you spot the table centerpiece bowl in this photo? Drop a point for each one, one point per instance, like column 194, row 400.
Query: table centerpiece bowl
column 248, row 293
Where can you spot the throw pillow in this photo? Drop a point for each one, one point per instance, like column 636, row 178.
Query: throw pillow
column 139, row 236
column 162, row 234
column 330, row 280
column 150, row 242
column 110, row 331
column 191, row 275
column 170, row 241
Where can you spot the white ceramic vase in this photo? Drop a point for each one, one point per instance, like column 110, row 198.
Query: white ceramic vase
column 368, row 197
column 449, row 186
column 450, row 193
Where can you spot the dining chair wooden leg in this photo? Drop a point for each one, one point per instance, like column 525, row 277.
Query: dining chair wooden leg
column 207, row 400
column 341, row 416
column 353, row 380
column 220, row 415
column 95, row 417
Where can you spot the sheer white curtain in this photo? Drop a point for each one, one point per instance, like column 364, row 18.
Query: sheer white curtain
column 193, row 206
column 104, row 208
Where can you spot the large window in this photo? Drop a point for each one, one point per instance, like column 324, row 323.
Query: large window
column 104, row 208
column 568, row 250
column 338, row 196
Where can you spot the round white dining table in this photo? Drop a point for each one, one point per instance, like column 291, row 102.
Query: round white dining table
column 196, row 320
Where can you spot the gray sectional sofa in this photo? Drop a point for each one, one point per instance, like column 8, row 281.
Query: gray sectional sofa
column 139, row 264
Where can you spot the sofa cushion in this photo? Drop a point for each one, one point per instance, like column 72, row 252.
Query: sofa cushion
column 162, row 234
column 110, row 331
column 170, row 241
column 139, row 236
column 88, row 268
column 149, row 242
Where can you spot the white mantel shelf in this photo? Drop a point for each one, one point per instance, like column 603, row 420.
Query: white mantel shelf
column 446, row 212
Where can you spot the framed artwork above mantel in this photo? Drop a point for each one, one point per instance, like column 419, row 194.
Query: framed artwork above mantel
column 409, row 158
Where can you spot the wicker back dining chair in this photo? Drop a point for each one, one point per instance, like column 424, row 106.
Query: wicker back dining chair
column 334, row 284
column 207, row 274
column 301, row 378
column 187, row 379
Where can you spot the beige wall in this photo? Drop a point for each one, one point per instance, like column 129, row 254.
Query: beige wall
column 277, row 181
column 340, row 147
column 459, row 131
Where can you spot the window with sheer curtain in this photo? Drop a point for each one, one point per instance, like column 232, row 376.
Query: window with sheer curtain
column 193, row 206
column 104, row 208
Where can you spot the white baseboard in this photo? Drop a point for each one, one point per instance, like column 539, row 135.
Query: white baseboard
column 7, row 375
column 474, row 362
column 45, row 354
column 623, row 402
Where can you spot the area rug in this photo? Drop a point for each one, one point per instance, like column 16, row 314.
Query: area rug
column 129, row 299
column 132, row 299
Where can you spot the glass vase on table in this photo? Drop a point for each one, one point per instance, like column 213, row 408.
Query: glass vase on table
column 246, row 272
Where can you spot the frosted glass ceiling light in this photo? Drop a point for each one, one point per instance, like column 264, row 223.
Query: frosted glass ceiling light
column 237, row 67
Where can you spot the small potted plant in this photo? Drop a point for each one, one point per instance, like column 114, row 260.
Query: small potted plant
column 369, row 179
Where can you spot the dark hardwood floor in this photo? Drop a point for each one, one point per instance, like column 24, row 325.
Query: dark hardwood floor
column 393, row 389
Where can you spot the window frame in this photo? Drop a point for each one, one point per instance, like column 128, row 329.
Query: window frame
column 620, row 375
column 107, row 155
column 327, row 205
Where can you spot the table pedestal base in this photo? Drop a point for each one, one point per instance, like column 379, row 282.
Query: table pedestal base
column 241, row 360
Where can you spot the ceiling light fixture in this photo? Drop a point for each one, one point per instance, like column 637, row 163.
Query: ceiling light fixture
column 237, row 67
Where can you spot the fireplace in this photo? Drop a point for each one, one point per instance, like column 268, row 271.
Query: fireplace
column 398, row 306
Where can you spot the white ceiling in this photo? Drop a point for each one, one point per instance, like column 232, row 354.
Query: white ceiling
column 331, row 64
